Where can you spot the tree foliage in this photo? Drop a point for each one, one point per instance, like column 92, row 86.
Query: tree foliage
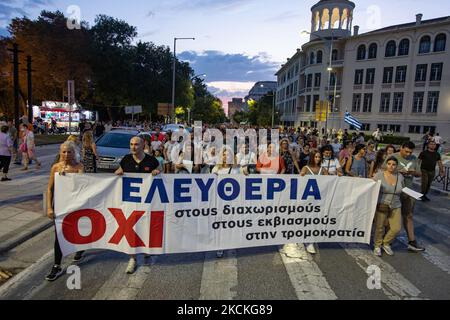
column 110, row 68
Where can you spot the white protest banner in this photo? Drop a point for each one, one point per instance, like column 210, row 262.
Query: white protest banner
column 197, row 213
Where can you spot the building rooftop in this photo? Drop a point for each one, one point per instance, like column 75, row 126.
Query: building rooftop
column 408, row 25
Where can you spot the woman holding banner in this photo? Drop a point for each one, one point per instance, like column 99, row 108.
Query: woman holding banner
column 68, row 164
column 388, row 213
column 226, row 166
column 314, row 168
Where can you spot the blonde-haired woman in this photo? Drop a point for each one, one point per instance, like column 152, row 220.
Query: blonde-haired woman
column 89, row 153
column 68, row 164
column 226, row 165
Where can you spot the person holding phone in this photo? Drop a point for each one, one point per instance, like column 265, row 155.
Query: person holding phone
column 409, row 168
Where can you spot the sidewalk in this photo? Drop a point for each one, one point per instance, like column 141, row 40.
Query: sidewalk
column 21, row 202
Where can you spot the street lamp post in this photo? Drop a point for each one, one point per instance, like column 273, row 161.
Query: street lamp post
column 174, row 73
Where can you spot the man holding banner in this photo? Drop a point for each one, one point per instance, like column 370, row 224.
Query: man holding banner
column 137, row 162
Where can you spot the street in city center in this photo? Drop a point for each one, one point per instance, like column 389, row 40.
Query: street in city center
column 224, row 151
column 268, row 273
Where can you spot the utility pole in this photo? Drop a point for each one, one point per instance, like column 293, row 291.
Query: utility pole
column 30, row 90
column 15, row 51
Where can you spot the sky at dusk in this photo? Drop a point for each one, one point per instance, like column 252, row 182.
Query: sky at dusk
column 238, row 42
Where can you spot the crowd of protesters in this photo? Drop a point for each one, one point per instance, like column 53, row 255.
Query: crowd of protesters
column 297, row 152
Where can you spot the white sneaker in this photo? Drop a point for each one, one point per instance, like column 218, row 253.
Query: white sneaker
column 388, row 250
column 377, row 252
column 311, row 249
column 131, row 266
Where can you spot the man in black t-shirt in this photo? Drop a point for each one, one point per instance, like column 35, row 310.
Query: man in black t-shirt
column 429, row 159
column 137, row 162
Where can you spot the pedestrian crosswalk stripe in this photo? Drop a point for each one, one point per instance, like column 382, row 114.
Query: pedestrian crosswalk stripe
column 394, row 285
column 305, row 275
column 432, row 254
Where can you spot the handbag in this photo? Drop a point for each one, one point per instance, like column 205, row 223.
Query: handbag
column 23, row 147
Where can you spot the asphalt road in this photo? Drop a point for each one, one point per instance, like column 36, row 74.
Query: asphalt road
column 272, row 273
column 338, row 271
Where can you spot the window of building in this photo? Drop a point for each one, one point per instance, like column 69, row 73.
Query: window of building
column 308, row 103
column 391, row 49
column 317, row 79
column 361, row 52
column 356, row 106
column 383, row 127
column 425, row 44
column 400, row 76
column 414, row 129
column 436, row 71
column 418, row 102
column 421, row 72
column 385, row 102
column 365, row 127
column 332, row 79
column 430, row 129
column 395, row 128
column 315, row 100
column 334, row 55
column 440, row 42
column 388, row 75
column 367, row 106
column 433, row 101
column 373, row 48
column 309, row 81
column 311, row 58
column 319, row 56
column 359, row 75
column 398, row 102
column 403, row 47
column 370, row 76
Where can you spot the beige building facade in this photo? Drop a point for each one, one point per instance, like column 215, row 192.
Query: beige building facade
column 396, row 78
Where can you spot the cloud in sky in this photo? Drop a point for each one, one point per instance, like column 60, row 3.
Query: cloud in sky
column 220, row 66
column 231, row 75
column 10, row 9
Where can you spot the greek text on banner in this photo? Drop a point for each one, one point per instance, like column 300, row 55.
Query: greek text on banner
column 197, row 213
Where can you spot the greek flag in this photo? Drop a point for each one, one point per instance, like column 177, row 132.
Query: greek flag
column 353, row 121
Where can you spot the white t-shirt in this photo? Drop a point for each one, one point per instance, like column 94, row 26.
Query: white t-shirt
column 156, row 145
column 332, row 166
column 246, row 159
column 438, row 140
column 169, row 148
column 225, row 171
column 30, row 140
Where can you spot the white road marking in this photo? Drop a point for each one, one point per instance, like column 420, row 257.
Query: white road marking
column 394, row 285
column 306, row 277
column 122, row 286
column 432, row 254
column 440, row 228
column 25, row 275
column 220, row 277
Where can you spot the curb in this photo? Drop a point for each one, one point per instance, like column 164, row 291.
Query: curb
column 21, row 199
column 24, row 236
